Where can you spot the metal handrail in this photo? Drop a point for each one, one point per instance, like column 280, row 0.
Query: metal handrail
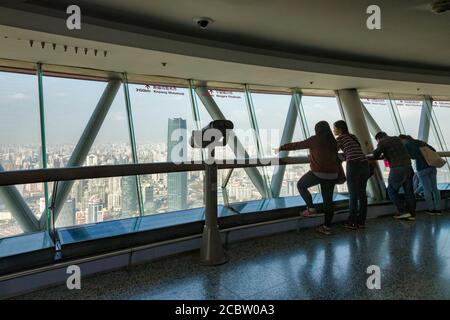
column 94, row 172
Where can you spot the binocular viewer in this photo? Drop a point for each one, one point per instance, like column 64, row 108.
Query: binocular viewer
column 215, row 134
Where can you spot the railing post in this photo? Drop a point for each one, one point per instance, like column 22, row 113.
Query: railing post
column 211, row 252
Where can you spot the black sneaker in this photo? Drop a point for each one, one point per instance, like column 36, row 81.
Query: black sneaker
column 350, row 226
column 430, row 212
column 437, row 212
column 361, row 226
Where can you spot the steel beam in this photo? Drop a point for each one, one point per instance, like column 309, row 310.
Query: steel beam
column 239, row 150
column 288, row 133
column 353, row 110
column 21, row 212
column 85, row 142
column 371, row 123
column 257, row 137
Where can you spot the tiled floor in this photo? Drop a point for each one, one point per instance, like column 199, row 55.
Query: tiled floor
column 414, row 259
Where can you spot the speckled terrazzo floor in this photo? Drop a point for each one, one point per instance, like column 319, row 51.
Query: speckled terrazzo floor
column 414, row 259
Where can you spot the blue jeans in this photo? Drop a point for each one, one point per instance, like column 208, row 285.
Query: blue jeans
column 428, row 179
column 402, row 177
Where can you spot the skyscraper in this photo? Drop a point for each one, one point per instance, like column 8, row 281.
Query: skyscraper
column 177, row 152
column 67, row 215
column 129, row 195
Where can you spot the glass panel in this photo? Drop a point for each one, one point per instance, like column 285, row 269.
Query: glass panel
column 233, row 106
column 271, row 111
column 98, row 200
column 33, row 195
column 320, row 108
column 441, row 111
column 163, row 123
column 20, row 144
column 20, row 132
column 410, row 111
column 443, row 175
column 379, row 110
column 67, row 114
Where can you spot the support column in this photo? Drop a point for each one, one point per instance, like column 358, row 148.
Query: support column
column 352, row 107
column 216, row 114
column 424, row 124
column 288, row 133
column 21, row 212
column 85, row 142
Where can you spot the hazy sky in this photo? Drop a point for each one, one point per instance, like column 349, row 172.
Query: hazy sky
column 69, row 104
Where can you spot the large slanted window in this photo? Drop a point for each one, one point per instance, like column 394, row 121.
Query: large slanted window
column 271, row 112
column 233, row 106
column 441, row 109
column 163, row 122
column 69, row 106
column 20, row 144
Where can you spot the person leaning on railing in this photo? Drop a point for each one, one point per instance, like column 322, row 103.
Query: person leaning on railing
column 324, row 171
column 358, row 173
column 400, row 174
column 427, row 175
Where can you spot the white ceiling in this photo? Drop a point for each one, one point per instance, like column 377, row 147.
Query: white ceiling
column 410, row 34
column 307, row 25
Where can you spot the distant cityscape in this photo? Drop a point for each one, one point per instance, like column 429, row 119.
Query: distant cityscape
column 97, row 200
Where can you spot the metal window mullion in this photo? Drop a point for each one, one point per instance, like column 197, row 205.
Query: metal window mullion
column 43, row 143
column 297, row 96
column 195, row 113
column 133, row 141
column 435, row 125
column 257, row 137
column 393, row 108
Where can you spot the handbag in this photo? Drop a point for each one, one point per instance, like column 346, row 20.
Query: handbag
column 431, row 157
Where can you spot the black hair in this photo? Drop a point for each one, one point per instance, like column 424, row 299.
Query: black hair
column 342, row 125
column 380, row 135
column 406, row 137
column 323, row 131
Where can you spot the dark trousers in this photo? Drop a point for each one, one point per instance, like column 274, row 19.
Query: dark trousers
column 357, row 175
column 309, row 180
column 402, row 177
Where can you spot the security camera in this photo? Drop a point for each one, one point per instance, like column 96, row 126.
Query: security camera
column 203, row 22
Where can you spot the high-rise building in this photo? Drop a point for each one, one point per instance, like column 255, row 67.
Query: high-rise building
column 129, row 195
column 95, row 207
column 176, row 152
column 149, row 204
column 67, row 215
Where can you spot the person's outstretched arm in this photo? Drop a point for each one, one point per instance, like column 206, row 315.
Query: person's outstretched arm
column 305, row 144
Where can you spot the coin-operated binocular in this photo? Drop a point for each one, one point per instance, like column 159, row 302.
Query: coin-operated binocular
column 215, row 134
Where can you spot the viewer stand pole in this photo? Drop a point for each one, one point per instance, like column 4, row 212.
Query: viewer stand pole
column 211, row 252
